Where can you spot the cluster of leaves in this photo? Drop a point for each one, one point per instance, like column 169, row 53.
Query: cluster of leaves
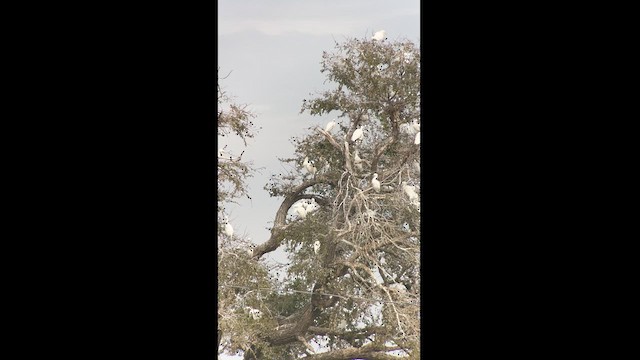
column 233, row 119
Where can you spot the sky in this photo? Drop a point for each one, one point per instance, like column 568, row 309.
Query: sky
column 272, row 50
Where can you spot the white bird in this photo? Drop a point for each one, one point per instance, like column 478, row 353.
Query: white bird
column 309, row 166
column 416, row 125
column 356, row 158
column 316, row 246
column 313, row 205
column 410, row 191
column 375, row 182
column 357, row 134
column 417, row 140
column 220, row 152
column 228, row 229
column 301, row 210
column 330, row 125
column 256, row 314
column 379, row 35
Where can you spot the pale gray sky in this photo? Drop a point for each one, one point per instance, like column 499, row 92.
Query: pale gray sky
column 273, row 50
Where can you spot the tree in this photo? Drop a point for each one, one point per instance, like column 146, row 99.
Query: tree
column 353, row 284
column 233, row 120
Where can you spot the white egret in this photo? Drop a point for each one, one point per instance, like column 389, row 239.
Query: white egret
column 228, row 229
column 313, row 206
column 357, row 134
column 417, row 140
column 379, row 35
column 410, row 191
column 330, row 125
column 250, row 249
column 375, row 182
column 310, row 206
column 301, row 210
column 256, row 314
column 220, row 152
column 416, row 125
column 357, row 161
column 309, row 166
column 316, row 246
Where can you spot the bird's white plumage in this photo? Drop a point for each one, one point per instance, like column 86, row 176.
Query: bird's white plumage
column 330, row 125
column 379, row 35
column 416, row 125
column 357, row 134
column 301, row 210
column 417, row 139
column 410, row 191
column 228, row 229
column 312, row 205
column 375, row 182
column 255, row 313
column 356, row 158
column 316, row 246
column 309, row 166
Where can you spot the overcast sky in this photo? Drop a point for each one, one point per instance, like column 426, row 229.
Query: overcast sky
column 273, row 50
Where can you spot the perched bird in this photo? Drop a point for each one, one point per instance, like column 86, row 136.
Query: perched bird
column 357, row 134
column 308, row 206
column 416, row 125
column 301, row 210
column 356, row 158
column 330, row 125
column 309, row 166
column 313, row 205
column 220, row 152
column 228, row 229
column 255, row 313
column 316, row 246
column 375, row 182
column 417, row 140
column 379, row 35
column 250, row 249
column 410, row 191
